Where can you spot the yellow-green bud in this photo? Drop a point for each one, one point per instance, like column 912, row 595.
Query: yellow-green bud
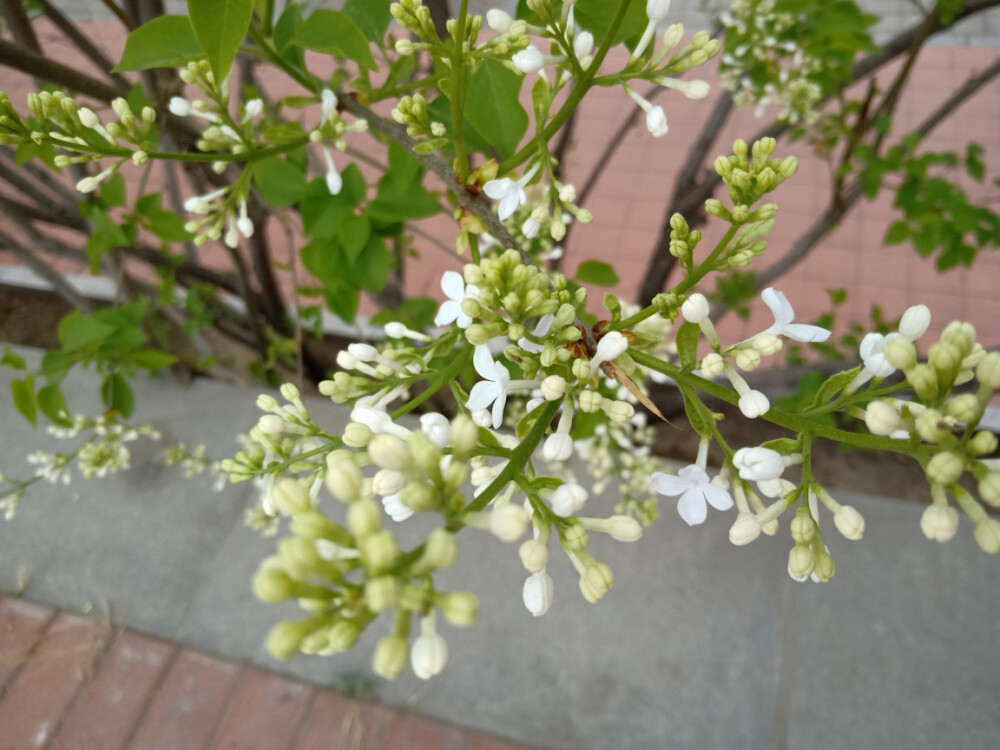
column 931, row 426
column 463, row 435
column 471, row 307
column 380, row 593
column 272, row 585
column 801, row 561
column 788, row 167
column 379, row 551
column 924, row 381
column 343, row 636
column 426, row 454
column 739, row 145
column 357, row 435
column 298, row 557
column 460, row 608
column 849, row 522
column 364, row 518
column 441, row 550
column 316, row 641
column 988, row 371
column 825, row 567
column 982, row 443
column 723, row 167
column 420, row 497
column 285, row 638
column 455, row 474
column 290, row 497
column 989, row 488
column 390, row 452
column 946, row 359
column 900, row 353
column 939, row 522
column 596, row 581
column 343, row 476
column 965, row 408
column 509, row 522
column 576, row 538
column 803, row 527
column 391, row 656
column 961, row 335
column 987, row 535
column 312, row 524
column 590, row 401
column 945, row 468
column 535, row 555
column 477, row 334
column 881, row 418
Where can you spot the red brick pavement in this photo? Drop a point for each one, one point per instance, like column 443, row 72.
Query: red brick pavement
column 72, row 683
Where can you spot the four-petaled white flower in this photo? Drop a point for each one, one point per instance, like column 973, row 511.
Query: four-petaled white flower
column 454, row 288
column 696, row 492
column 783, row 313
column 510, row 193
column 492, row 390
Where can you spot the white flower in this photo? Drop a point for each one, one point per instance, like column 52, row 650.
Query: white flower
column 696, row 493
column 558, row 447
column 510, row 193
column 529, row 60
column 568, row 499
column 542, row 328
column 758, row 464
column 915, row 322
column 611, row 346
column 395, row 509
column 329, row 100
column 912, row 326
column 783, row 317
column 436, row 427
column 454, row 288
column 538, row 593
column 492, row 390
column 334, row 182
column 695, row 308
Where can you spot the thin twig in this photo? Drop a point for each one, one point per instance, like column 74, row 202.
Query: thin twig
column 83, row 43
column 62, row 287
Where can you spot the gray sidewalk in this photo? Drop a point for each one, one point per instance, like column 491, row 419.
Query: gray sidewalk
column 700, row 645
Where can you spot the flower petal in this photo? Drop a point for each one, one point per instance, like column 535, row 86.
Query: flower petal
column 484, row 363
column 497, row 189
column 482, row 395
column 693, row 474
column 805, row 333
column 779, row 305
column 498, row 407
column 692, row 508
column 509, row 203
column 453, row 285
column 717, row 497
column 668, row 485
column 448, row 313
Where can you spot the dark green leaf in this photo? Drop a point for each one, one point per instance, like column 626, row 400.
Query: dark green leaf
column 12, row 360
column 117, row 394
column 834, row 385
column 113, row 191
column 595, row 16
column 280, row 183
column 371, row 16
column 596, row 272
column 401, row 195
column 288, row 26
column 152, row 359
column 344, row 303
column 219, row 26
column 353, row 233
column 53, row 406
column 23, row 394
column 373, row 265
column 897, row 232
column 168, row 226
column 335, row 33
column 492, row 106
column 164, row 42
column 322, row 212
column 688, row 336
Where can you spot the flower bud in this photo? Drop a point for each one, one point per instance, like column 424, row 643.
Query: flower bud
column 695, row 308
column 801, row 562
column 390, row 452
column 624, row 529
column 290, row 497
column 964, row 408
column 463, row 435
column 960, row 335
column 881, row 418
column 343, row 476
column 364, row 518
column 272, row 585
column 825, row 567
column 428, row 656
column 419, row 497
column 590, row 401
column 946, row 359
column 987, row 535
column 538, row 593
column 849, row 522
column 558, row 447
column 509, row 522
column 534, row 555
column 988, row 371
column 803, row 527
column 618, row 412
column 900, row 352
column 931, row 427
column 744, row 530
column 342, row 637
column 441, row 550
column 748, row 359
column 357, row 435
column 924, row 381
column 944, row 468
column 915, row 322
column 939, row 522
column 713, row 365
column 379, row 551
column 388, row 482
column 460, row 608
column 390, row 657
column 553, row 387
column 425, row 453
column 989, row 488
column 754, row 404
column 982, row 443
column 285, row 638
column 380, row 593
column 596, row 581
column 498, row 20
column 575, row 537
column 567, row 499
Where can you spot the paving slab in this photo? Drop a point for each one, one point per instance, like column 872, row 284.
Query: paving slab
column 700, row 644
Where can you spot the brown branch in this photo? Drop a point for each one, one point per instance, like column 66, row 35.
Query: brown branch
column 61, row 286
column 19, row 24
column 83, row 43
column 20, row 58
column 15, row 177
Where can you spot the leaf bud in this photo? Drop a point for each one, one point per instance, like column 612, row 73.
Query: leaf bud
column 939, row 522
column 460, row 608
column 944, row 468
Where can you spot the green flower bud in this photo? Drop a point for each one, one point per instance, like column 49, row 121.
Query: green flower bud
column 803, row 527
column 534, row 555
column 509, row 522
column 471, row 307
column 342, row 637
column 426, row 454
column 723, row 167
column 316, row 641
column 739, row 145
column 989, row 488
column 576, row 538
column 714, row 207
column 357, row 435
column 460, row 608
column 290, row 497
column 988, row 371
column 946, row 359
column 391, row 657
column 987, row 535
column 285, row 638
column 931, row 426
column 313, row 524
column 389, row 452
column 801, row 561
column 580, row 369
column 564, row 316
column 900, row 353
column 419, row 497
column 364, row 518
column 343, row 476
column 924, row 381
column 945, row 468
column 441, row 550
column 960, row 335
column 849, row 522
column 788, row 167
column 965, row 408
column 825, row 567
column 596, row 581
column 455, row 475
column 272, row 585
column 379, row 551
column 983, row 443
column 298, row 557
column 590, row 401
column 463, row 435
column 380, row 593
column 569, row 334
column 477, row 334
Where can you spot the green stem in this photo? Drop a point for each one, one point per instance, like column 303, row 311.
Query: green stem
column 458, row 95
column 444, row 377
column 575, row 96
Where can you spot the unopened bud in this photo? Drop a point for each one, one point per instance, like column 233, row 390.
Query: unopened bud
column 945, row 468
column 939, row 522
column 849, row 522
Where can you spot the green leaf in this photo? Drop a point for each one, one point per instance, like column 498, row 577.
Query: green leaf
column 79, row 331
column 280, row 183
column 595, row 16
column 371, row 16
column 168, row 226
column 152, row 359
column 164, row 42
column 898, row 231
column 492, row 106
column 117, row 394
column 219, row 26
column 401, row 195
column 373, row 265
column 596, row 272
column 113, row 191
column 353, row 233
column 52, row 404
column 322, row 212
column 335, row 33
column 23, row 394
column 688, row 336
column 12, row 360
column 344, row 303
